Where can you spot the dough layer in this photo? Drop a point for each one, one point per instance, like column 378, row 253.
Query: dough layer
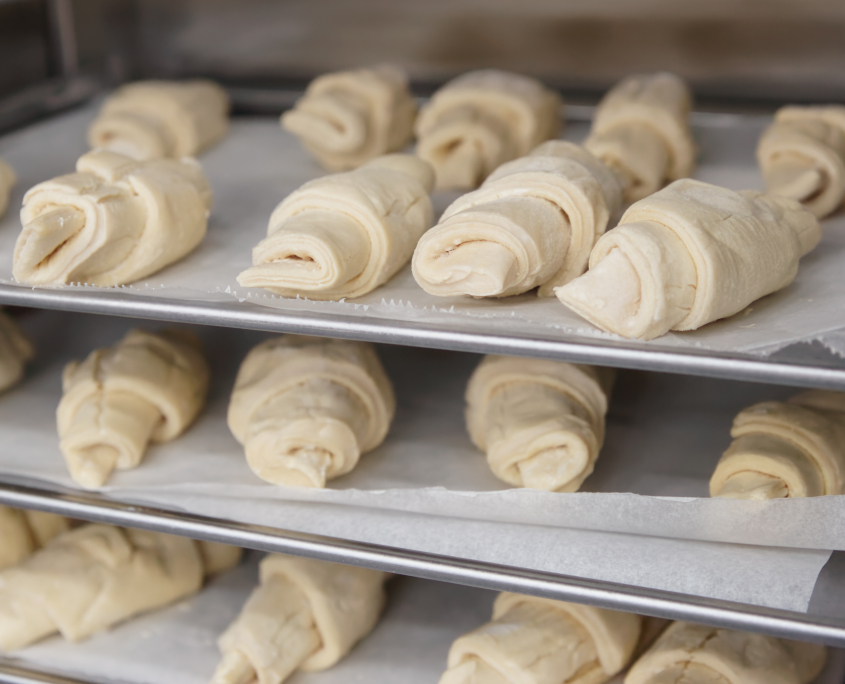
column 802, row 156
column 306, row 614
column 341, row 236
column 7, row 182
column 694, row 654
column 480, row 120
column 532, row 223
column 153, row 119
column 350, row 117
column 15, row 351
column 690, row 254
column 540, row 422
column 542, row 641
column 306, row 408
column 112, row 222
column 641, row 130
column 147, row 388
column 22, row 532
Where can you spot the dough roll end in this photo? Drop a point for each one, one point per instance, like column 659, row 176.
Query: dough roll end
column 45, row 246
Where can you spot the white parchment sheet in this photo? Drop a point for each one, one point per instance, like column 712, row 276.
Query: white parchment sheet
column 258, row 164
column 178, row 645
column 428, row 489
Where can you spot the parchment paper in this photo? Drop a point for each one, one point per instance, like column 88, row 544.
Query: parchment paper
column 427, row 488
column 258, row 164
column 178, row 645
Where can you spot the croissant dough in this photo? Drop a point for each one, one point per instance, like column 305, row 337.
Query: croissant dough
column 533, row 222
column 793, row 449
column 306, row 614
column 15, row 351
column 306, row 408
column 112, row 222
column 690, row 254
column 641, row 129
column 540, row 422
column 695, row 654
column 342, row 236
column 22, row 532
column 347, row 118
column 541, row 641
column 147, row 388
column 482, row 119
column 153, row 119
column 7, row 182
column 802, row 156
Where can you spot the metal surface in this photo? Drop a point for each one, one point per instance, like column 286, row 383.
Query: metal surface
column 11, row 673
column 93, row 507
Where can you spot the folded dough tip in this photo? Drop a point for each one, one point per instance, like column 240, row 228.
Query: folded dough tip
column 554, row 468
column 91, row 466
column 407, row 164
column 459, row 165
column 753, row 486
column 41, row 241
column 234, row 668
column 795, row 177
column 328, row 122
column 479, row 268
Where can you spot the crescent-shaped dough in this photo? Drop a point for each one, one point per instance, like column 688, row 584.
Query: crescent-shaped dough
column 532, row 223
column 802, row 156
column 482, row 119
column 7, row 182
column 306, row 408
column 347, row 118
column 341, row 236
column 147, row 388
column 15, row 351
column 696, row 654
column 91, row 578
column 690, row 254
column 306, row 614
column 781, row 450
column 540, row 422
column 112, row 222
column 153, row 119
column 641, row 130
column 542, row 641
column 22, row 532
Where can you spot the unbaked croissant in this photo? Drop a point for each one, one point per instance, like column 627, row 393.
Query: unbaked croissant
column 690, row 254
column 86, row 580
column 695, row 654
column 22, row 532
column 347, row 118
column 147, row 388
column 802, row 156
column 482, row 119
column 112, row 222
column 542, row 641
column 153, row 119
column 15, row 351
column 342, row 236
column 540, row 422
column 306, row 614
column 305, row 408
column 7, row 182
column 792, row 449
column 641, row 130
column 532, row 223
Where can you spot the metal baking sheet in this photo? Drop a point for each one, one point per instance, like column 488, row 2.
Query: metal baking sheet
column 50, row 148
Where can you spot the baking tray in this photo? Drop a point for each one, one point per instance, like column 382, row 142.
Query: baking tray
column 51, row 147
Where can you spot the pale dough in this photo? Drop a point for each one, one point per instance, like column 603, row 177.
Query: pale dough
column 690, row 254
column 694, row 654
column 153, row 119
column 22, row 532
column 7, row 182
column 306, row 614
column 793, row 449
column 482, row 119
column 541, row 641
column 532, row 223
column 540, row 422
column 306, row 408
column 147, row 388
column 802, row 156
column 15, row 351
column 347, row 118
column 641, row 129
column 342, row 236
column 112, row 222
